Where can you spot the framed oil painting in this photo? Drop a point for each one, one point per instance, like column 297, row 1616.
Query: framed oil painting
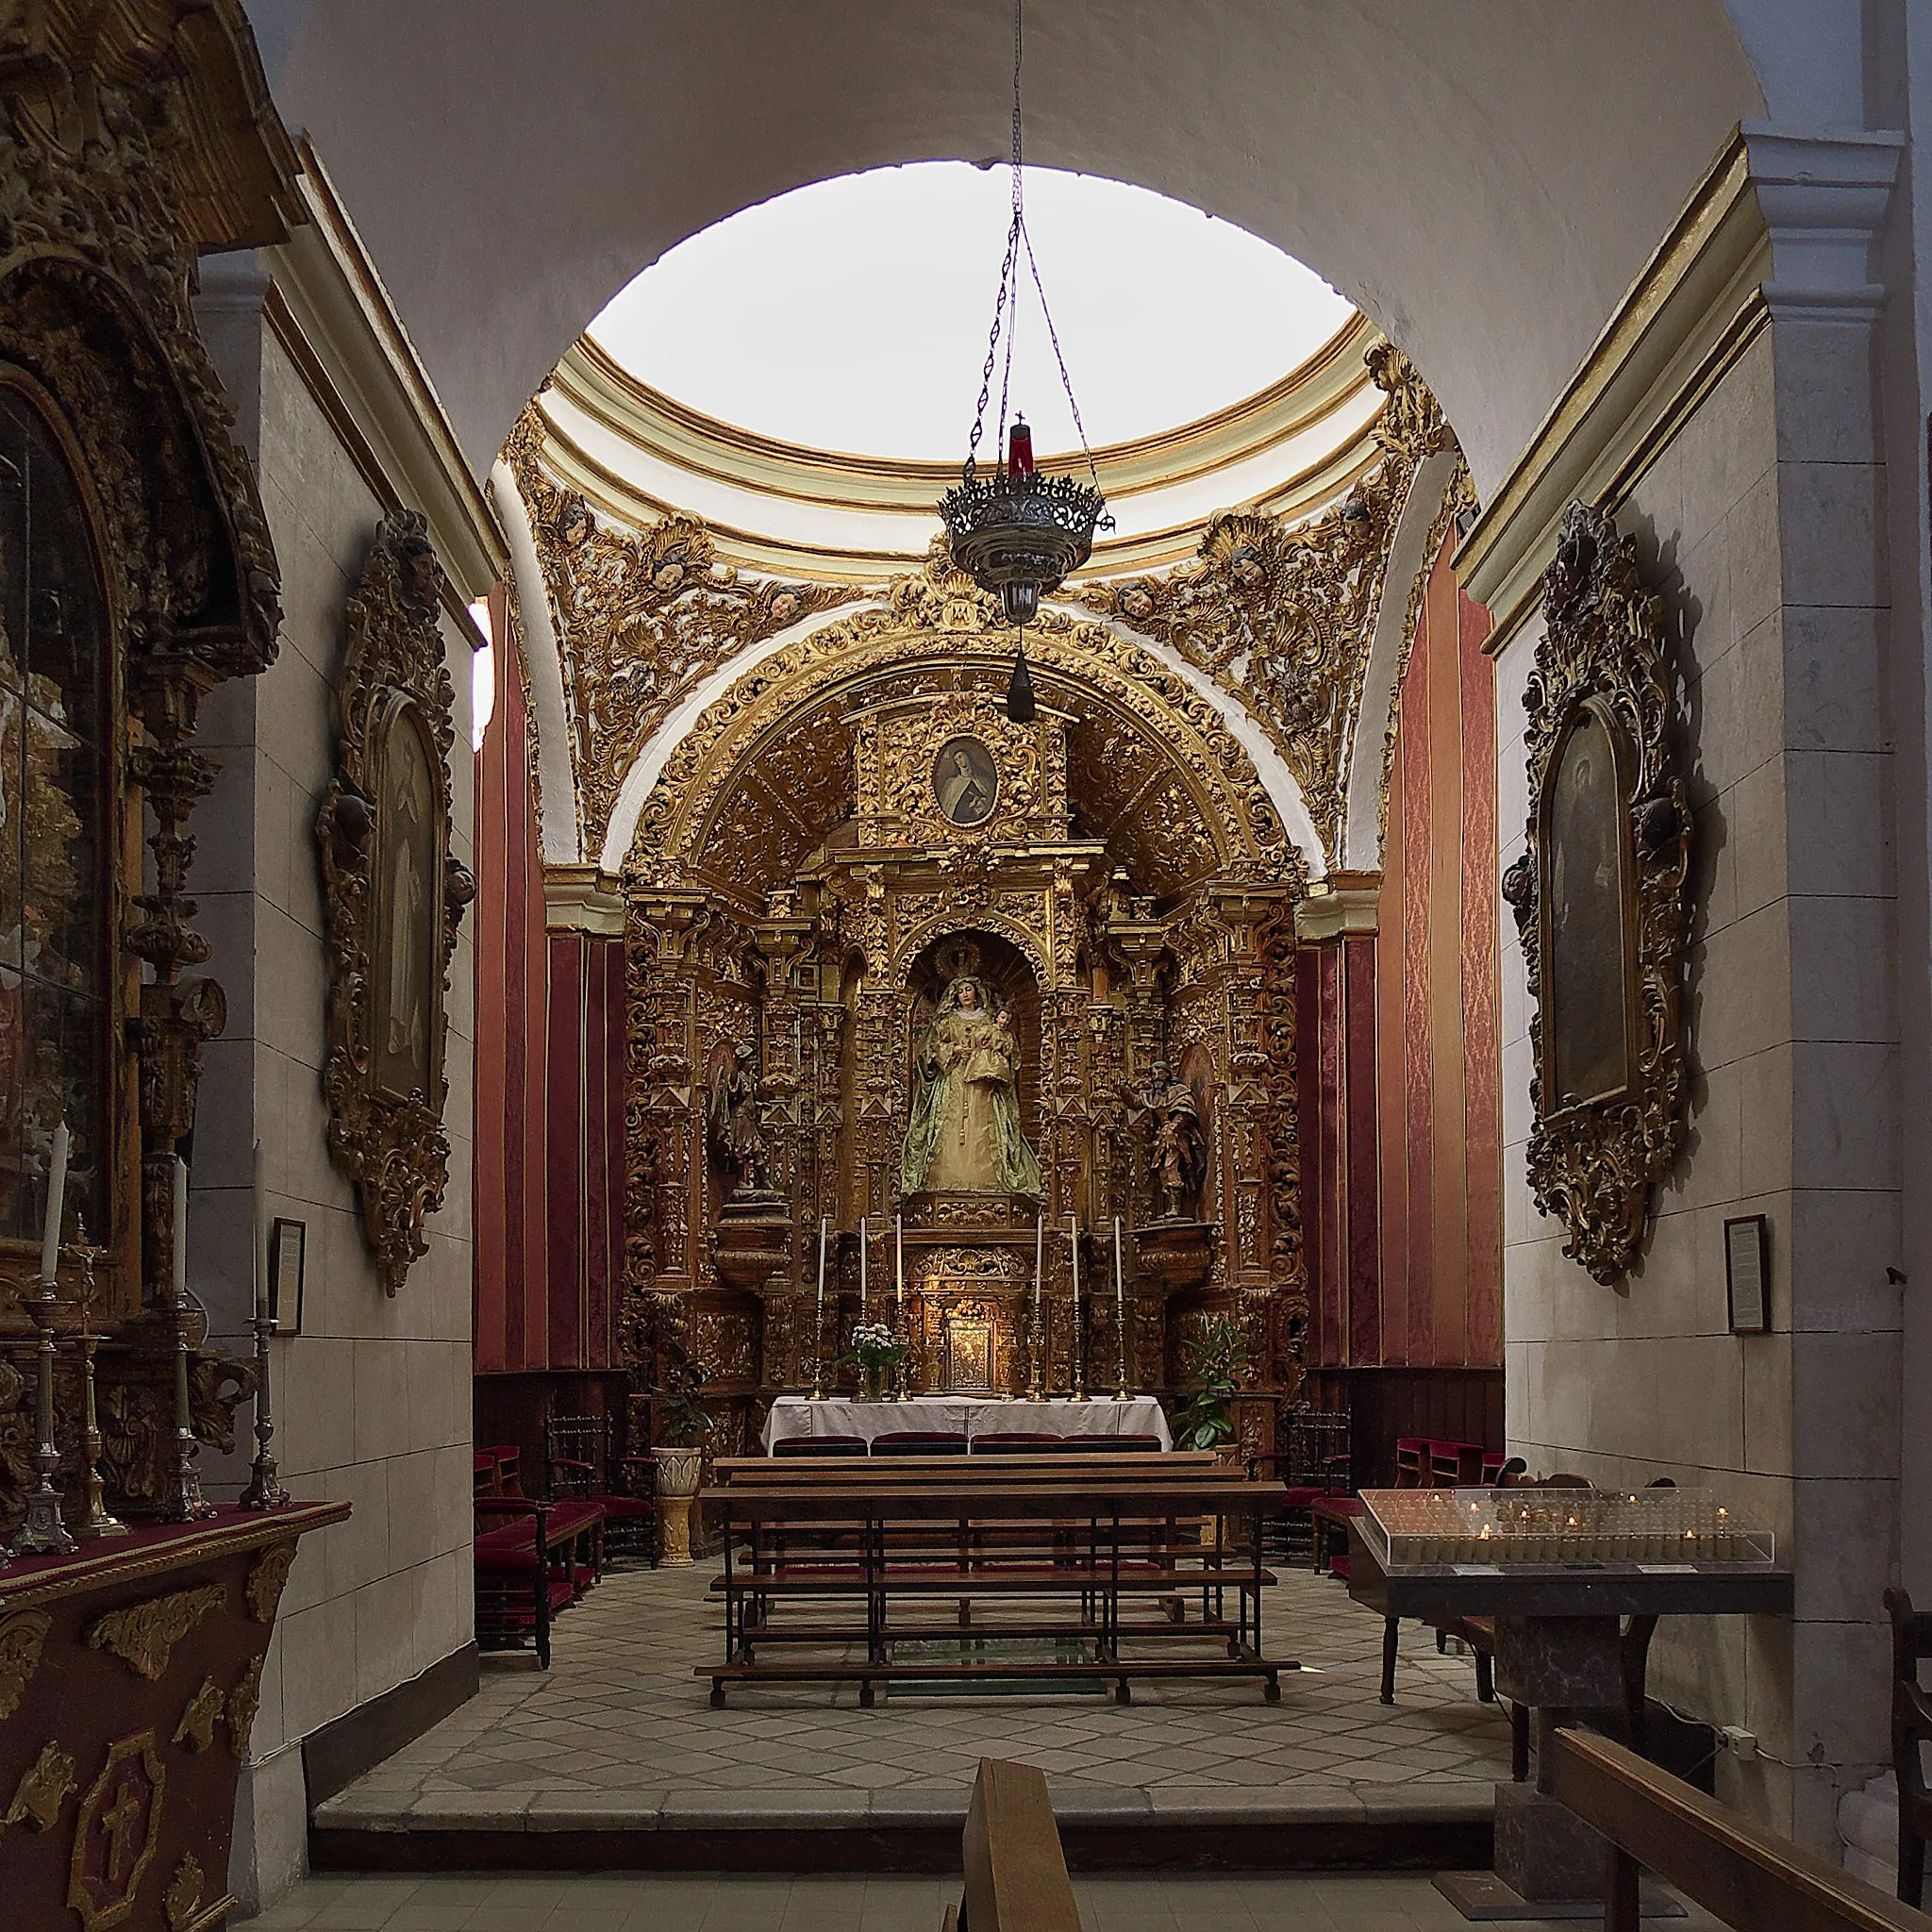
column 394, row 896
column 1600, row 898
column 965, row 781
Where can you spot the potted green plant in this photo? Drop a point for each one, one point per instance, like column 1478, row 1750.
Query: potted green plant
column 1212, row 1360
column 681, row 1423
column 875, row 1350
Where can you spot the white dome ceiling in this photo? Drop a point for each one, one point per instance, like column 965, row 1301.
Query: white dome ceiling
column 852, row 315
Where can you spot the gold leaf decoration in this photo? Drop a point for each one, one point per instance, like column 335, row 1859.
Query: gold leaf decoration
column 197, row 1726
column 267, row 1575
column 23, row 1637
column 243, row 1701
column 183, row 1895
column 143, row 1636
column 44, row 1786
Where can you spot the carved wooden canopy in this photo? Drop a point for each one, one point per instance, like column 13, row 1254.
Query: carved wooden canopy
column 395, row 898
column 1600, row 899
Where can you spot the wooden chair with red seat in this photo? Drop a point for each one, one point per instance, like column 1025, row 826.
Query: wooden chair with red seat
column 1455, row 1465
column 1911, row 1740
column 586, row 1465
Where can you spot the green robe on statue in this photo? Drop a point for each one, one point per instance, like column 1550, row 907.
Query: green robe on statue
column 965, row 1136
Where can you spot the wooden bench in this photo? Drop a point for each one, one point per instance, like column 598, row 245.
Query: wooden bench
column 1087, row 1545
column 533, row 1561
column 1742, row 1873
column 1015, row 1872
column 1911, row 1737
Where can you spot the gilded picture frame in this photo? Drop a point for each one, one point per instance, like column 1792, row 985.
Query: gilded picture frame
column 395, row 896
column 1600, row 898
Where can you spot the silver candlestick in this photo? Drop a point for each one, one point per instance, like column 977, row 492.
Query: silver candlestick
column 97, row 1521
column 264, row 1490
column 43, row 1534
column 186, row 1504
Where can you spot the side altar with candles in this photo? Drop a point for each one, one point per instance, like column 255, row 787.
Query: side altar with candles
column 1021, row 1090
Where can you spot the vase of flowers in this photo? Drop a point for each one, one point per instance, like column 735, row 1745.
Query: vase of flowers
column 1212, row 1361
column 875, row 1352
column 683, row 1423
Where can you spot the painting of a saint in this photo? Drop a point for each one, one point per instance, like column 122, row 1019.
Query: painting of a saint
column 965, row 781
column 964, row 1135
column 407, row 915
column 1587, row 1013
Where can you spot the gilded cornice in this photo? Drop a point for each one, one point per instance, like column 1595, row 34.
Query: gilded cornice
column 937, row 632
column 1280, row 615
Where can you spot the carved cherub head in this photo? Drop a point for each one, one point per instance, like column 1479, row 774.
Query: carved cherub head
column 1136, row 604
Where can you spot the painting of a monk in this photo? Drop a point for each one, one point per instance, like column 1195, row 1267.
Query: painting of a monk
column 965, row 781
column 1589, row 1013
column 964, row 1134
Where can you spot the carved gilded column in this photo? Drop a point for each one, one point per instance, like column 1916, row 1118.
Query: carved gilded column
column 663, row 960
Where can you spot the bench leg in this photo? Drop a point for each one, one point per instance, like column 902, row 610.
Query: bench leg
column 1485, row 1678
column 1912, row 1864
column 1390, row 1638
column 1519, row 1744
column 1621, row 1906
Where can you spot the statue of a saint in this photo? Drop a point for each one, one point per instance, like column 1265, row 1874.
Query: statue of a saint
column 965, row 1136
column 1177, row 1149
column 735, row 1121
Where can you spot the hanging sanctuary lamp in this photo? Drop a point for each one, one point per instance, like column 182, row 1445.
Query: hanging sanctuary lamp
column 1012, row 529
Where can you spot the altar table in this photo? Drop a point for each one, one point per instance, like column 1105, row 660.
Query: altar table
column 965, row 1415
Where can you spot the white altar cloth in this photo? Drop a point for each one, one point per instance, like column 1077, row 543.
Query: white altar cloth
column 965, row 1415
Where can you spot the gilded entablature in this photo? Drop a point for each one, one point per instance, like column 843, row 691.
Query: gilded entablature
column 642, row 616
column 1281, row 614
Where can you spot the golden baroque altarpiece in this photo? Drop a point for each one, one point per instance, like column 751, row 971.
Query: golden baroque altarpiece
column 798, row 885
column 132, row 139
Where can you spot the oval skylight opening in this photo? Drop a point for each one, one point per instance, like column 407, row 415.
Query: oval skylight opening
column 852, row 316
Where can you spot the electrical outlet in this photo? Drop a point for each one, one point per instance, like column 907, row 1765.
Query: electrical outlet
column 1740, row 1743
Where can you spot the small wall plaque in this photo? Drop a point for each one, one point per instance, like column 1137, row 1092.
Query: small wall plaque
column 288, row 1243
column 1747, row 1274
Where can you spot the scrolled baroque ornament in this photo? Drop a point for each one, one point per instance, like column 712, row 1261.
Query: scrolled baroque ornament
column 395, row 897
column 1600, row 899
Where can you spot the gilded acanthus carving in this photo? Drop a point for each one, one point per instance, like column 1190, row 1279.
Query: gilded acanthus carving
column 44, row 1786
column 395, row 898
column 202, row 1712
column 1280, row 614
column 266, row 1576
column 244, row 1700
column 23, row 1637
column 181, row 1901
column 643, row 616
column 144, row 1634
column 1600, row 898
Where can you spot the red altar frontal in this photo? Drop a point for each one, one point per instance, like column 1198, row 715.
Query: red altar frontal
column 129, row 1677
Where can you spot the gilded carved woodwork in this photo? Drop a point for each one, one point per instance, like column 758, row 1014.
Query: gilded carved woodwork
column 395, row 897
column 115, row 1843
column 144, row 1634
column 22, row 1638
column 642, row 616
column 44, row 1786
column 244, row 1700
column 267, row 1575
column 196, row 1730
column 1280, row 614
column 1595, row 1157
column 181, row 1901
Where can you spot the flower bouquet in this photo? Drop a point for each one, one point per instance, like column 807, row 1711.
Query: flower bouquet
column 875, row 1350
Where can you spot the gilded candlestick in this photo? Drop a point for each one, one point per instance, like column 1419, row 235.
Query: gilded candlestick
column 186, row 1504
column 818, row 1333
column 264, row 1490
column 43, row 1534
column 1079, row 1388
column 98, row 1520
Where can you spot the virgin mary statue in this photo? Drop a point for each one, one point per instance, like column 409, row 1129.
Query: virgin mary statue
column 964, row 1137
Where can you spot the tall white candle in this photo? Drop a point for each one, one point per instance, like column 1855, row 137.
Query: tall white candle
column 259, row 1220
column 1073, row 1238
column 57, row 1204
column 1039, row 1269
column 899, row 1265
column 861, row 1267
column 180, row 1256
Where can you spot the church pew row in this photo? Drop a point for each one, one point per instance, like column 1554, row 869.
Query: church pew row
column 1065, row 1555
column 533, row 1561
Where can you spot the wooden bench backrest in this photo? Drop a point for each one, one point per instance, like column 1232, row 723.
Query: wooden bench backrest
column 1744, row 1873
column 1016, row 1873
column 966, row 1471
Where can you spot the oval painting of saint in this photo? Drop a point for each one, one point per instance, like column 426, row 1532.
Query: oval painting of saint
column 965, row 781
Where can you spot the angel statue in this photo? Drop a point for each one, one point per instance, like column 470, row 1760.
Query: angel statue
column 964, row 1137
column 734, row 1121
column 1177, row 1147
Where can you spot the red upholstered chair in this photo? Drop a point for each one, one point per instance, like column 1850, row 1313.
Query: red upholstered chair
column 1086, row 1445
column 1456, row 1465
column 1493, row 1467
column 585, row 1469
column 820, row 1445
column 917, row 1442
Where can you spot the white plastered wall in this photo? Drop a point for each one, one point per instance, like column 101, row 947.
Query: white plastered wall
column 372, row 1400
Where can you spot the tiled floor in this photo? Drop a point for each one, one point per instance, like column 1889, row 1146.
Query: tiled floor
column 620, row 1714
column 704, row 1903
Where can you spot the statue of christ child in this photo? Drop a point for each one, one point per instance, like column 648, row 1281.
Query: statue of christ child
column 964, row 1135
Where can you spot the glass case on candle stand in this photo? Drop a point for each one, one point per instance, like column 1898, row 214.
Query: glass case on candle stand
column 1559, row 1528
